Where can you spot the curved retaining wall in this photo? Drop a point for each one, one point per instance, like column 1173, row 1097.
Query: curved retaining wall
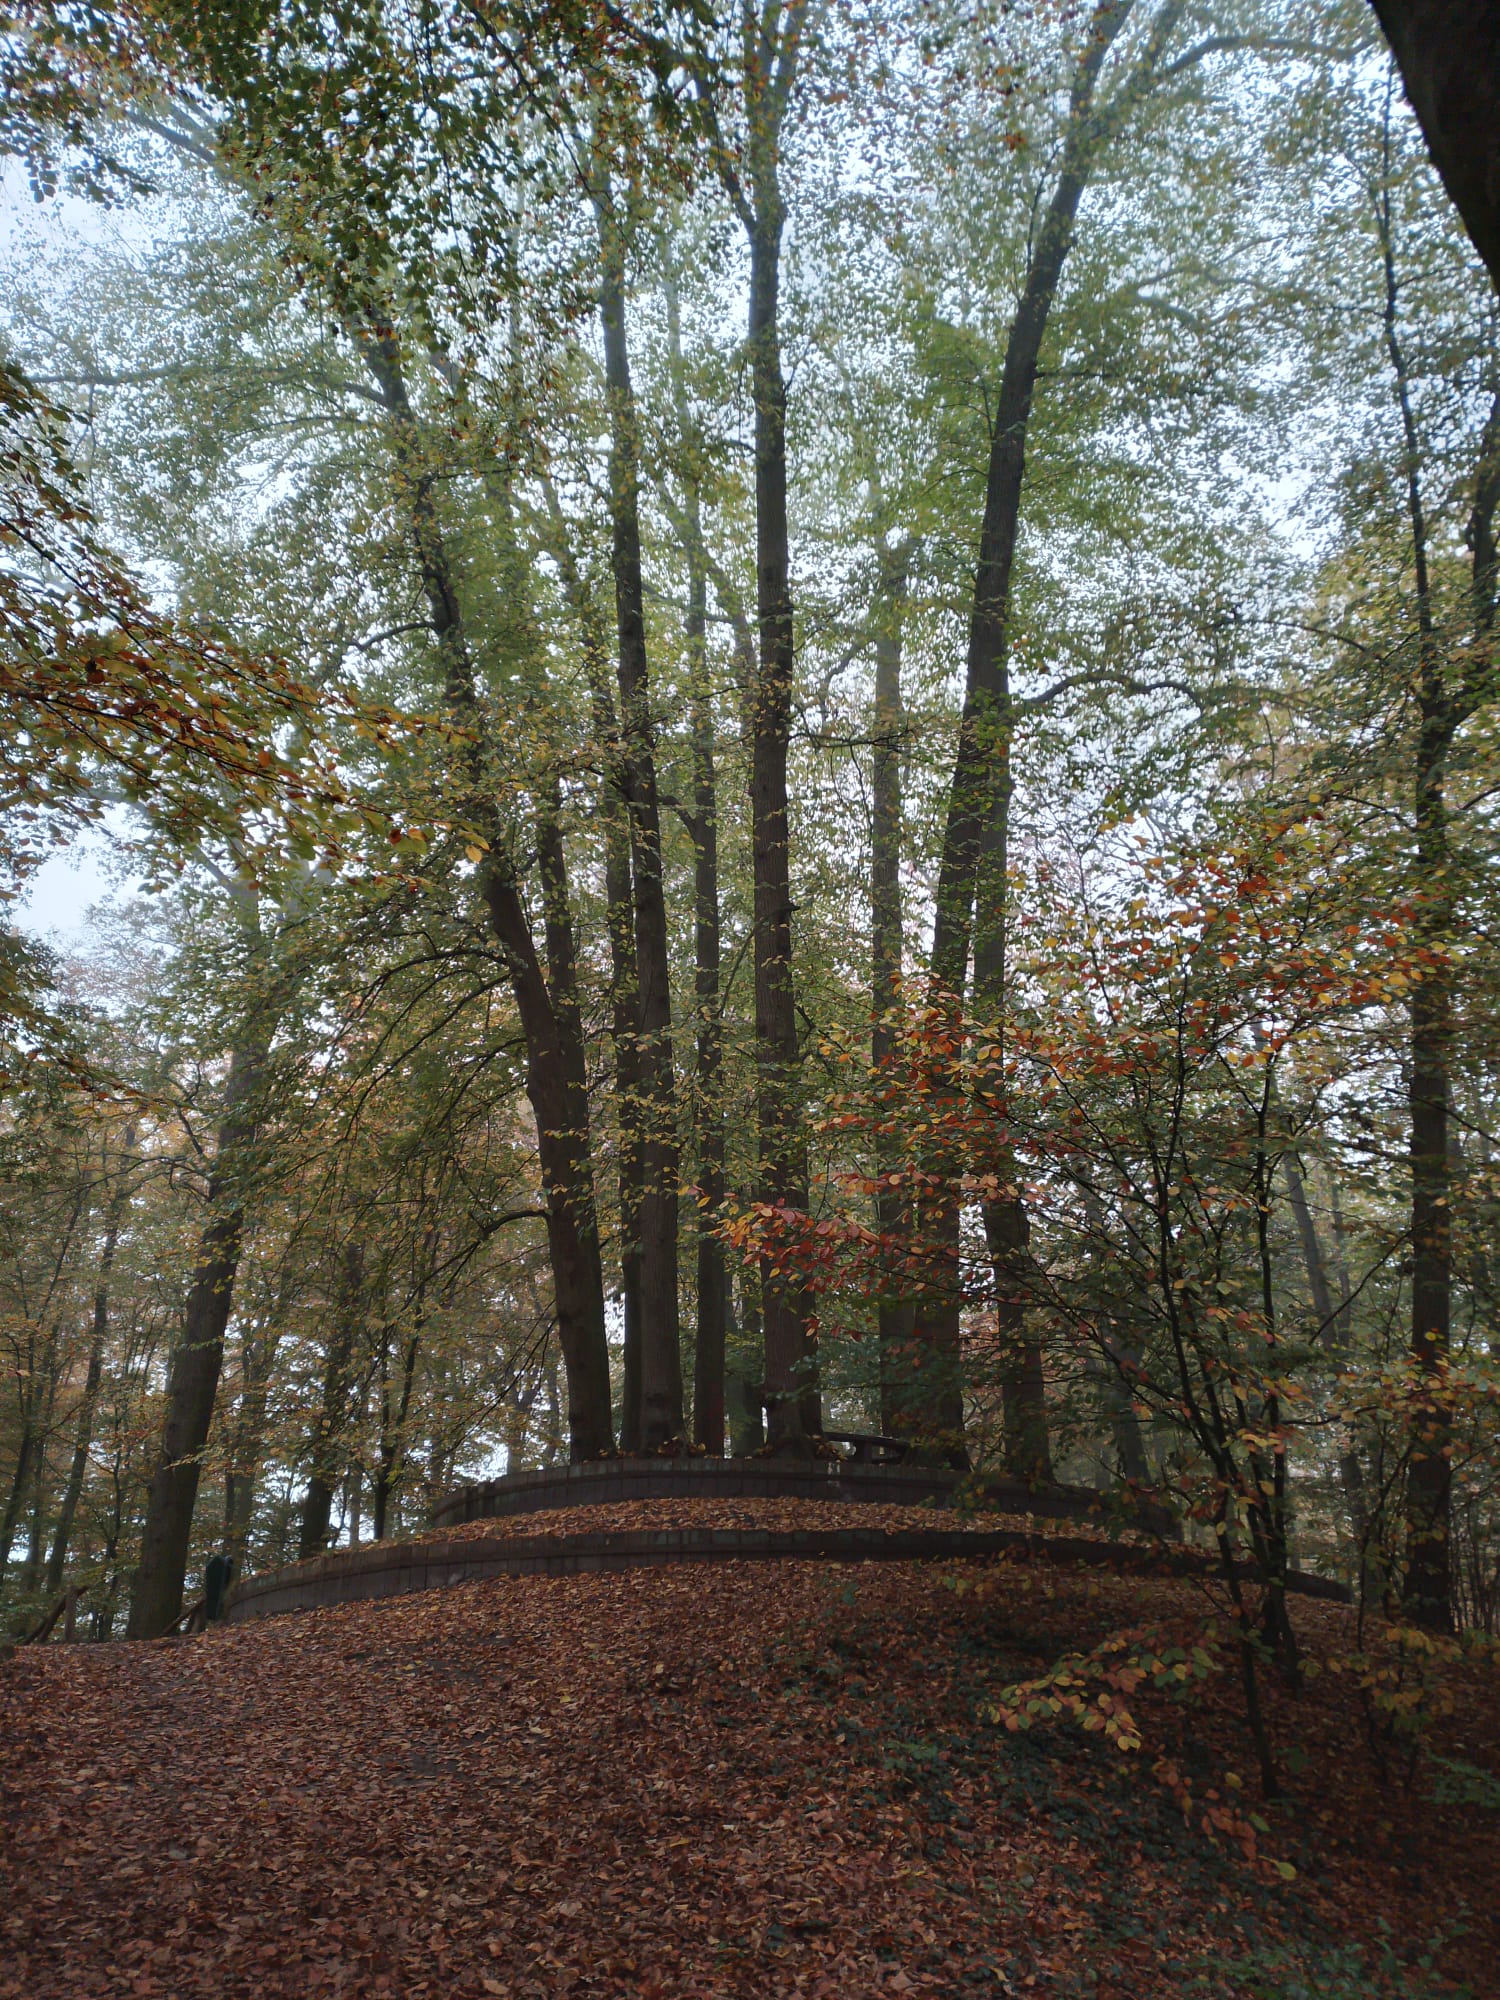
column 387, row 1569
column 596, row 1481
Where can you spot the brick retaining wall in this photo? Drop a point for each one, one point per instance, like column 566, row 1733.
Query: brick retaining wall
column 388, row 1569
column 598, row 1481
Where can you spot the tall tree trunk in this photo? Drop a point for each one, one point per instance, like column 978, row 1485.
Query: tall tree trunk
column 31, row 1569
column 1125, row 1426
column 393, row 1427
column 326, row 1454
column 31, row 1442
column 746, row 1394
column 980, row 787
column 1427, row 1588
column 247, row 1443
column 26, row 1447
column 710, row 1343
column 895, row 1318
column 1007, row 1224
column 1333, row 1331
column 793, row 1403
column 619, row 909
column 559, row 1108
column 661, row 1414
column 73, row 1491
column 709, row 1347
column 193, row 1382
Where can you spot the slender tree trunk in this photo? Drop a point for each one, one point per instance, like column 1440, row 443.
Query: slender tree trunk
column 328, row 1432
column 1125, row 1426
column 709, row 1346
column 793, row 1404
column 156, row 1601
column 713, row 1281
column 15, row 1499
column 393, row 1432
column 257, row 1362
column 31, row 1571
column 747, row 1404
column 619, row 908
column 979, row 791
column 1427, row 1589
column 661, row 1414
column 31, row 1443
column 559, row 1109
column 1007, row 1225
column 1333, row 1331
column 73, row 1491
column 895, row 1318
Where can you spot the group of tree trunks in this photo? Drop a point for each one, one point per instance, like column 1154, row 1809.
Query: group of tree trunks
column 1449, row 53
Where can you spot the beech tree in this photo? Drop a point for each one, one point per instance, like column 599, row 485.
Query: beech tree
column 689, row 559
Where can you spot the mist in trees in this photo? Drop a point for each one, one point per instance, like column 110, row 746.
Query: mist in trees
column 795, row 706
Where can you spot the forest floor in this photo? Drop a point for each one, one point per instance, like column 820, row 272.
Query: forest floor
column 744, row 1779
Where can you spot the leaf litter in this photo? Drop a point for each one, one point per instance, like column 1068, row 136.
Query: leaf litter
column 736, row 1779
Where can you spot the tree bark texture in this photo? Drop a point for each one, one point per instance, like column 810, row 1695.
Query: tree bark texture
column 711, row 1336
column 793, row 1404
column 553, row 1061
column 895, row 1318
column 713, row 1279
column 979, row 790
column 67, row 1512
column 193, row 1381
column 619, row 920
column 1427, row 1585
column 326, row 1455
column 661, row 1412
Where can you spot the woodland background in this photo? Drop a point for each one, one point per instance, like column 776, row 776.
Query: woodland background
column 798, row 713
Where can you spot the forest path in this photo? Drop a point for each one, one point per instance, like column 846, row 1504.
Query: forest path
column 743, row 1780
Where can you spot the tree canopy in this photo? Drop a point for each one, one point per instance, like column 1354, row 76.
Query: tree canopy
column 798, row 709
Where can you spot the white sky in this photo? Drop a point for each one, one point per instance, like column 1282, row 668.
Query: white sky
column 64, row 889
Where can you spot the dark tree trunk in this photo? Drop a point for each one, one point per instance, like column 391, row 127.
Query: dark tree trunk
column 710, row 1342
column 326, row 1457
column 26, row 1447
column 661, row 1414
column 1448, row 52
column 156, row 1601
column 1333, row 1331
column 894, row 1315
column 393, row 1427
column 559, row 1108
column 619, row 907
column 713, row 1282
column 31, row 1442
column 1427, row 1589
column 73, row 1491
column 771, row 48
column 793, row 1404
column 979, row 791
column 31, row 1569
column 746, row 1403
column 1007, row 1225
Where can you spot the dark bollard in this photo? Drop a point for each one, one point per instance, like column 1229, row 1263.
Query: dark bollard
column 217, row 1572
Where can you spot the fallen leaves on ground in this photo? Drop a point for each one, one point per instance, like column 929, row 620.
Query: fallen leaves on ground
column 706, row 1780
column 777, row 1515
